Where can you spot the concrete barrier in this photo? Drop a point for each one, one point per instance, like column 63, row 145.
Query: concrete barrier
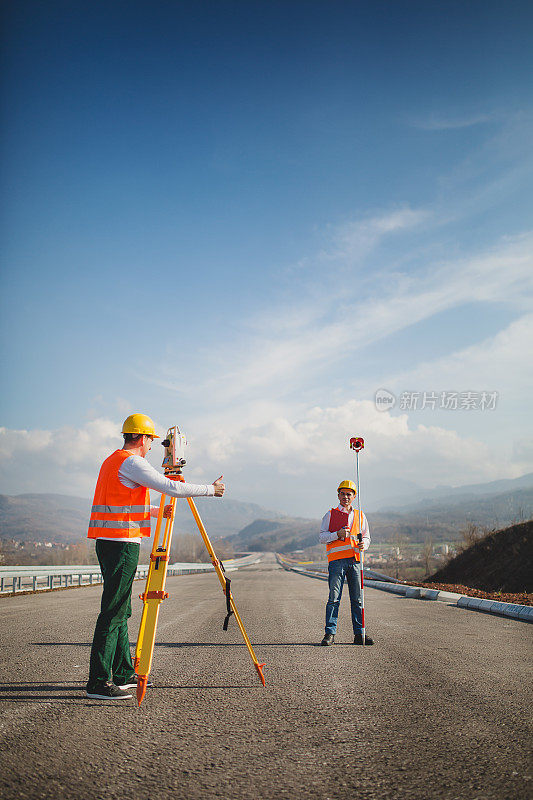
column 511, row 610
column 496, row 607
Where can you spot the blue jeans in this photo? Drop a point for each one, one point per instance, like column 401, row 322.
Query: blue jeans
column 339, row 569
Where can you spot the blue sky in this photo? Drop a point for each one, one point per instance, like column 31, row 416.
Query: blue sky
column 246, row 218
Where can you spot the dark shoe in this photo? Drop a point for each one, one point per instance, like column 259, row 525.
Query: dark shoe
column 358, row 639
column 132, row 682
column 327, row 640
column 106, row 691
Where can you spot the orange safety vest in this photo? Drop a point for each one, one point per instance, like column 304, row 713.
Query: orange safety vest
column 118, row 511
column 343, row 548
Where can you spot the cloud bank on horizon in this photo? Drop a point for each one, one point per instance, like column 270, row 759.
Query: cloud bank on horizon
column 255, row 251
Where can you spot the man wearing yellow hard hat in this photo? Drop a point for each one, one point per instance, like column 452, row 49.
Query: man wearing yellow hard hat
column 339, row 532
column 120, row 517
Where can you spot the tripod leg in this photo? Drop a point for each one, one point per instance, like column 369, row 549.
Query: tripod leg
column 140, row 636
column 222, row 579
column 153, row 596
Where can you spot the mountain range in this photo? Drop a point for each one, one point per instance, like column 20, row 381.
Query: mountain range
column 415, row 498
column 441, row 514
column 62, row 518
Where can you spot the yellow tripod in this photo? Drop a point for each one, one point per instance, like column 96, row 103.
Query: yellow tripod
column 154, row 593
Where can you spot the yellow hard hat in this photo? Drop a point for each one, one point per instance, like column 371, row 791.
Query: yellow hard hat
column 347, row 485
column 139, row 423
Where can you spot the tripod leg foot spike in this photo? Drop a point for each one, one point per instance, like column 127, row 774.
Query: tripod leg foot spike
column 141, row 688
column 259, row 668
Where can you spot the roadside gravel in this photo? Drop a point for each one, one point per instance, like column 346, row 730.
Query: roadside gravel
column 519, row 598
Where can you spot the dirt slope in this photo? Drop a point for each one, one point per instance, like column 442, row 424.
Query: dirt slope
column 500, row 562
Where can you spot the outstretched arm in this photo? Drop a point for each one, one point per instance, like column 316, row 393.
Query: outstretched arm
column 136, row 471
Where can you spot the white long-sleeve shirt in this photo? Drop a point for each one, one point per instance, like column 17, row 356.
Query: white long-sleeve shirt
column 136, row 471
column 326, row 536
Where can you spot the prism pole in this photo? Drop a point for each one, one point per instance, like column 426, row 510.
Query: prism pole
column 357, row 443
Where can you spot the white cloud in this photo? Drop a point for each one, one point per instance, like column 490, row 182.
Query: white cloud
column 281, row 361
column 283, row 462
column 309, row 451
column 356, row 239
column 435, row 122
column 321, row 437
column 274, row 460
column 499, row 362
column 62, row 461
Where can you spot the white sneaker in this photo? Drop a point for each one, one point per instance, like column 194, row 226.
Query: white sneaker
column 132, row 683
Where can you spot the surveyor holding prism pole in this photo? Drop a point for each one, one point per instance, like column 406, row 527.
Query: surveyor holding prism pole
column 120, row 517
column 345, row 533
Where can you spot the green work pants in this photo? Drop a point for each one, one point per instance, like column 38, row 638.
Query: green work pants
column 110, row 652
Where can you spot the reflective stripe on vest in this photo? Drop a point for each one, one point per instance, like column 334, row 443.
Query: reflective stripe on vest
column 118, row 511
column 343, row 548
column 119, row 523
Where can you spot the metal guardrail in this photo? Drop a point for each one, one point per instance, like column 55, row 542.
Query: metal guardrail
column 37, row 579
column 23, row 582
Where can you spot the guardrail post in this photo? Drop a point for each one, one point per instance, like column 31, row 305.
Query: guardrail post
column 14, row 585
column 34, row 582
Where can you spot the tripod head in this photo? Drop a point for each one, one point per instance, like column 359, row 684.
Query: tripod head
column 174, row 445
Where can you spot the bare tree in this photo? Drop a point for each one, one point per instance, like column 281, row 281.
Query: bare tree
column 472, row 534
column 190, row 548
column 398, row 541
column 427, row 553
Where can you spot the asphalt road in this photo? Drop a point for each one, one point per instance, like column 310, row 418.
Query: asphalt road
column 440, row 707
